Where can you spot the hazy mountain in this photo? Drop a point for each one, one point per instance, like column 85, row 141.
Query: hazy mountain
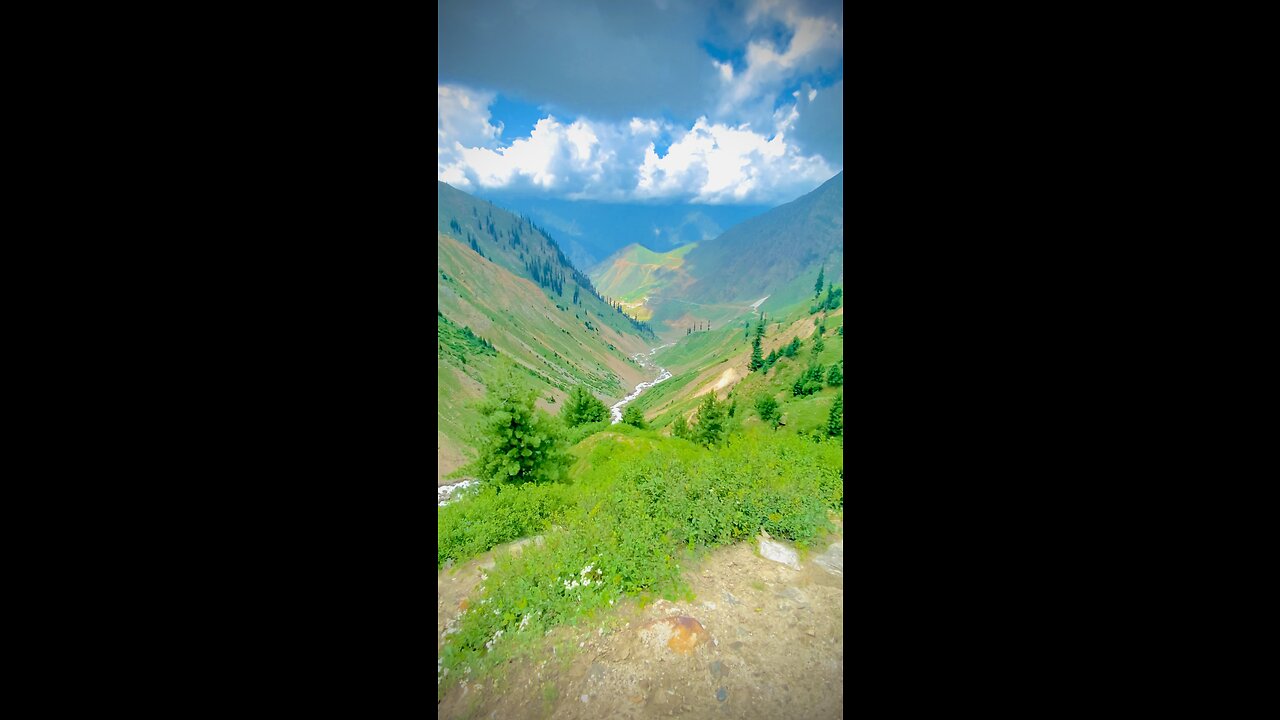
column 777, row 254
column 590, row 231
column 635, row 272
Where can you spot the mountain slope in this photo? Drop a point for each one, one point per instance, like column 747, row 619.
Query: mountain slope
column 763, row 255
column 635, row 271
column 776, row 255
column 516, row 302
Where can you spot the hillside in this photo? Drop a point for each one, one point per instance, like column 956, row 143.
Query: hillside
column 764, row 255
column 634, row 272
column 506, row 292
column 774, row 257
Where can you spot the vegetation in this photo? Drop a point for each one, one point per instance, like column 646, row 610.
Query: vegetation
column 633, row 417
column 810, row 382
column 710, row 428
column 623, row 530
column 817, row 287
column 835, row 420
column 835, row 376
column 518, row 443
column 582, row 407
column 767, row 407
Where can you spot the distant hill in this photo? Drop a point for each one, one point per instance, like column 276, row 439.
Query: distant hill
column 776, row 255
column 767, row 254
column 634, row 272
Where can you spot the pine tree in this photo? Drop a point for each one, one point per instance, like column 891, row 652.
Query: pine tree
column 710, row 428
column 633, row 417
column 767, row 407
column 835, row 419
column 792, row 347
column 680, row 428
column 818, row 345
column 817, row 287
column 756, row 361
column 582, row 407
column 575, row 294
column 517, row 442
column 835, row 377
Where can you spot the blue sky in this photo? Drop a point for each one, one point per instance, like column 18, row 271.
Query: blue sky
column 738, row 102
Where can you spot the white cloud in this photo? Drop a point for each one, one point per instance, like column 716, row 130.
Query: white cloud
column 816, row 42
column 711, row 162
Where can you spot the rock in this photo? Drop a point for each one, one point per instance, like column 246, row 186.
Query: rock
column 795, row 596
column 722, row 694
column 729, row 598
column 779, row 553
column 717, row 669
column 679, row 633
column 584, row 698
column 832, row 560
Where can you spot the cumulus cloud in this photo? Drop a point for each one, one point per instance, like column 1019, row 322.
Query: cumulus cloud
column 708, row 163
column 805, row 42
column 733, row 102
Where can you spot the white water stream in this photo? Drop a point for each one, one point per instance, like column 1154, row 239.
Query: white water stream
column 642, row 359
column 445, row 493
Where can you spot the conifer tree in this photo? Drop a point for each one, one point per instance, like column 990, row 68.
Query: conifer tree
column 817, row 287
column 582, row 407
column 835, row 419
column 835, row 377
column 710, row 428
column 756, row 361
column 680, row 428
column 517, row 442
column 633, row 417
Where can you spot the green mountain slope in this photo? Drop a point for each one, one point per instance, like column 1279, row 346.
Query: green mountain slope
column 775, row 255
column 517, row 245
column 766, row 254
column 510, row 296
column 634, row 272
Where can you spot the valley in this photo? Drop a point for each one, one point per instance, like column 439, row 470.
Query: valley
column 680, row 553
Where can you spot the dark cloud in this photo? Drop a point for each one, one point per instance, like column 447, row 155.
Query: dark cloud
column 820, row 128
column 605, row 59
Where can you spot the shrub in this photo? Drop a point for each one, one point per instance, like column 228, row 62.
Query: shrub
column 633, row 417
column 582, row 407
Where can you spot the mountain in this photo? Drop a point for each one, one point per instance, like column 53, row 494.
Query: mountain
column 776, row 255
column 635, row 271
column 506, row 291
column 765, row 254
column 589, row 231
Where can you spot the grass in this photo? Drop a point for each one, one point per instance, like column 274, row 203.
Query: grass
column 640, row 507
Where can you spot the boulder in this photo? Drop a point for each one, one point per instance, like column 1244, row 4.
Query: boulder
column 779, row 553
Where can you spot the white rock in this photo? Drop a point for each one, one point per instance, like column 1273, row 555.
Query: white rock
column 833, row 559
column 777, row 552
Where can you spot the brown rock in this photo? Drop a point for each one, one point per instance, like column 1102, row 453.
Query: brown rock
column 680, row 633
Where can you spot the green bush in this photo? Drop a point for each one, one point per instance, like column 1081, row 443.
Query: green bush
column 625, row 527
column 633, row 417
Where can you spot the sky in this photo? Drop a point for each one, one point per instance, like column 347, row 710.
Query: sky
column 736, row 103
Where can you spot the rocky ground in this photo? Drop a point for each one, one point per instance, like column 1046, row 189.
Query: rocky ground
column 764, row 638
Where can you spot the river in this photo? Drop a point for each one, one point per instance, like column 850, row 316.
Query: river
column 444, row 493
column 643, row 360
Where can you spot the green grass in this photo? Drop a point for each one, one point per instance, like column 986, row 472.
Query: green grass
column 640, row 506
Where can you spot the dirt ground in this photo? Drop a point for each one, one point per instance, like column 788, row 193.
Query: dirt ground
column 760, row 640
